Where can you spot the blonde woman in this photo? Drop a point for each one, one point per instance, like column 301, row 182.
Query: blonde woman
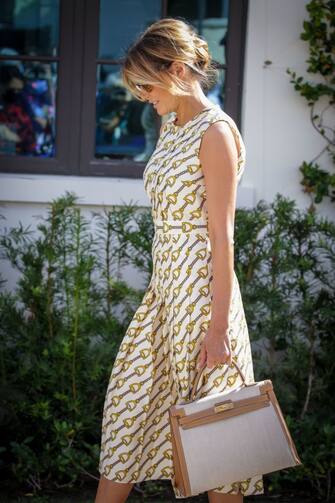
column 191, row 315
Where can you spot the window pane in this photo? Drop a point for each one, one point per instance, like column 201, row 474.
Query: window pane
column 27, row 108
column 121, row 21
column 29, row 27
column 210, row 18
column 125, row 127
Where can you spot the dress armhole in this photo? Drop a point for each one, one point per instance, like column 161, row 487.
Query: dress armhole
column 237, row 139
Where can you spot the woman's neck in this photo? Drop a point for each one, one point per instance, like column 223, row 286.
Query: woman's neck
column 189, row 106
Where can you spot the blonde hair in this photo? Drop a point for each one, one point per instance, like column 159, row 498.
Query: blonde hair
column 147, row 60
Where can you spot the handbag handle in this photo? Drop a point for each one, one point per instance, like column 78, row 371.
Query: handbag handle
column 200, row 373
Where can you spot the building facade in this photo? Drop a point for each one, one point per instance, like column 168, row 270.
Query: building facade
column 68, row 124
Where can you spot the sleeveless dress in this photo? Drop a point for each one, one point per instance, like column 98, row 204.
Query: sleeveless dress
column 156, row 363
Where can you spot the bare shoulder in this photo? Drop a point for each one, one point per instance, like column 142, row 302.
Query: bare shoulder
column 219, row 141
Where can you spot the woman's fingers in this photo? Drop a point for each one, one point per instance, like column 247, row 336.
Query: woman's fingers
column 226, row 357
column 202, row 357
column 214, row 352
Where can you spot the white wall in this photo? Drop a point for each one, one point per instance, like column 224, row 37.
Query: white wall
column 276, row 126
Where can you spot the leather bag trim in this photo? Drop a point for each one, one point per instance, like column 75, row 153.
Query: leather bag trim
column 220, row 416
column 179, row 462
column 236, row 407
column 282, row 421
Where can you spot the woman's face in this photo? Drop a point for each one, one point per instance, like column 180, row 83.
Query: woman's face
column 162, row 100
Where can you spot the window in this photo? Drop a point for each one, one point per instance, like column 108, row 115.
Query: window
column 63, row 108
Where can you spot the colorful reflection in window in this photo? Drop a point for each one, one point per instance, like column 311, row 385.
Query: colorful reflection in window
column 27, row 108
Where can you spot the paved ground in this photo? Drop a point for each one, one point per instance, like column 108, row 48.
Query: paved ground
column 151, row 495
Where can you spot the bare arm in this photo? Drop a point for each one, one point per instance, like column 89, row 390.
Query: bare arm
column 219, row 157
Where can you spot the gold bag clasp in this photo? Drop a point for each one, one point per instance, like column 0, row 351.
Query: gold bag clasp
column 223, row 406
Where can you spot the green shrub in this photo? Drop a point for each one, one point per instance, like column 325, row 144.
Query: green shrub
column 61, row 329
column 285, row 262
column 59, row 338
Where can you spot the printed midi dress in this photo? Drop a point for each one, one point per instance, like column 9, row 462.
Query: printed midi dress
column 156, row 363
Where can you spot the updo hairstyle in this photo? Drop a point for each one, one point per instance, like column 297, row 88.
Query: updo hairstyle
column 148, row 59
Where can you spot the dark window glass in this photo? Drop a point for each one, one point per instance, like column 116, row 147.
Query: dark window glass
column 125, row 127
column 121, row 21
column 27, row 108
column 29, row 27
column 29, row 31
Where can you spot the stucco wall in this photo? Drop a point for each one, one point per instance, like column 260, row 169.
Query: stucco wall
column 276, row 126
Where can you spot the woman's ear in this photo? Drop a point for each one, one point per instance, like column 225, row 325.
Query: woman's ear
column 178, row 69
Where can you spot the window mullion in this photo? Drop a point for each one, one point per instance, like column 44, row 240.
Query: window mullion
column 237, row 24
column 65, row 92
column 90, row 50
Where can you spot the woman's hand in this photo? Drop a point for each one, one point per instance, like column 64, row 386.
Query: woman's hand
column 215, row 349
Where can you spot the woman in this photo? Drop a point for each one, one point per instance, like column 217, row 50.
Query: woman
column 192, row 314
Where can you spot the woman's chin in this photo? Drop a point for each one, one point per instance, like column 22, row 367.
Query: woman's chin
column 160, row 109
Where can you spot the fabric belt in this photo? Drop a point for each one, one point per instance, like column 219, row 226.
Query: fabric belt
column 186, row 226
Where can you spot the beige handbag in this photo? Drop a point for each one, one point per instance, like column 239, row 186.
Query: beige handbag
column 228, row 437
